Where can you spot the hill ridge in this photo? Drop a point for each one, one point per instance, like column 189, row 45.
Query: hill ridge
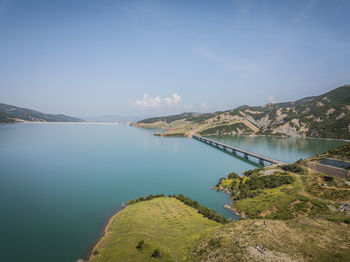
column 15, row 114
column 323, row 116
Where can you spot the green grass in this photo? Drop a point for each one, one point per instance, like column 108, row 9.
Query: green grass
column 268, row 204
column 164, row 223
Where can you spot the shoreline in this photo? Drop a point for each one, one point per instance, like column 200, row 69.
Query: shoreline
column 301, row 137
column 249, row 135
column 102, row 235
column 231, row 207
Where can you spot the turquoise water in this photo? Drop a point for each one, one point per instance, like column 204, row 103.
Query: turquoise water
column 59, row 183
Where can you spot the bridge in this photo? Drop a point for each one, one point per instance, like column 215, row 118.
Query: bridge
column 261, row 159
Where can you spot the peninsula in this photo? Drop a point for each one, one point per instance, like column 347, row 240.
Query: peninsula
column 288, row 213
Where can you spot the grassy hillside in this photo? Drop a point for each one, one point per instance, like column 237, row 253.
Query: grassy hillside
column 164, row 223
column 14, row 114
column 300, row 239
column 325, row 116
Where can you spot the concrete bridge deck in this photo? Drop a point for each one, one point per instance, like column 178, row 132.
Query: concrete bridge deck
column 234, row 150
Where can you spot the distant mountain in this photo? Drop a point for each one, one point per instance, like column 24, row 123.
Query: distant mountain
column 14, row 114
column 324, row 116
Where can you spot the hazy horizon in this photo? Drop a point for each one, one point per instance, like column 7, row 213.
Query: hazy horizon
column 152, row 58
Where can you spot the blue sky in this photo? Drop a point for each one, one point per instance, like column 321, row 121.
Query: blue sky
column 88, row 58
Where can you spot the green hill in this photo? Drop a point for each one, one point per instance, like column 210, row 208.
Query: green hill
column 164, row 223
column 324, row 116
column 14, row 114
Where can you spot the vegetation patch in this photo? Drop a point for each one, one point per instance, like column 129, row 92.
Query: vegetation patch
column 163, row 223
column 224, row 129
column 205, row 211
column 293, row 168
column 253, row 185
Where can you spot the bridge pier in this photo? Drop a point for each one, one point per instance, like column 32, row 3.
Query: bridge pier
column 246, row 156
column 234, row 152
column 261, row 161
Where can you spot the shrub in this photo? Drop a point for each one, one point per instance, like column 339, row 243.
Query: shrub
column 292, row 168
column 346, row 220
column 215, row 243
column 140, row 199
column 156, row 253
column 220, row 181
column 233, row 175
column 248, row 172
column 271, row 181
column 140, row 245
column 131, row 201
column 206, row 212
column 254, row 185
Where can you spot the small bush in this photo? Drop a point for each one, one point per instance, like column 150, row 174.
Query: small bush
column 346, row 220
column 156, row 253
column 248, row 172
column 215, row 243
column 233, row 175
column 140, row 245
column 293, row 168
column 327, row 178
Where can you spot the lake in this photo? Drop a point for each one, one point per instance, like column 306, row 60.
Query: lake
column 59, row 183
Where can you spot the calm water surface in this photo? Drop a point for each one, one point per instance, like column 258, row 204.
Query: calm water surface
column 59, row 183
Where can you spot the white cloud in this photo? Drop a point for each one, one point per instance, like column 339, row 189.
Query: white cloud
column 148, row 102
column 271, row 99
column 157, row 102
column 170, row 104
column 174, row 100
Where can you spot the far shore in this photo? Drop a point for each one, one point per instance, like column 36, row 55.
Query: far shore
column 254, row 135
column 69, row 123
